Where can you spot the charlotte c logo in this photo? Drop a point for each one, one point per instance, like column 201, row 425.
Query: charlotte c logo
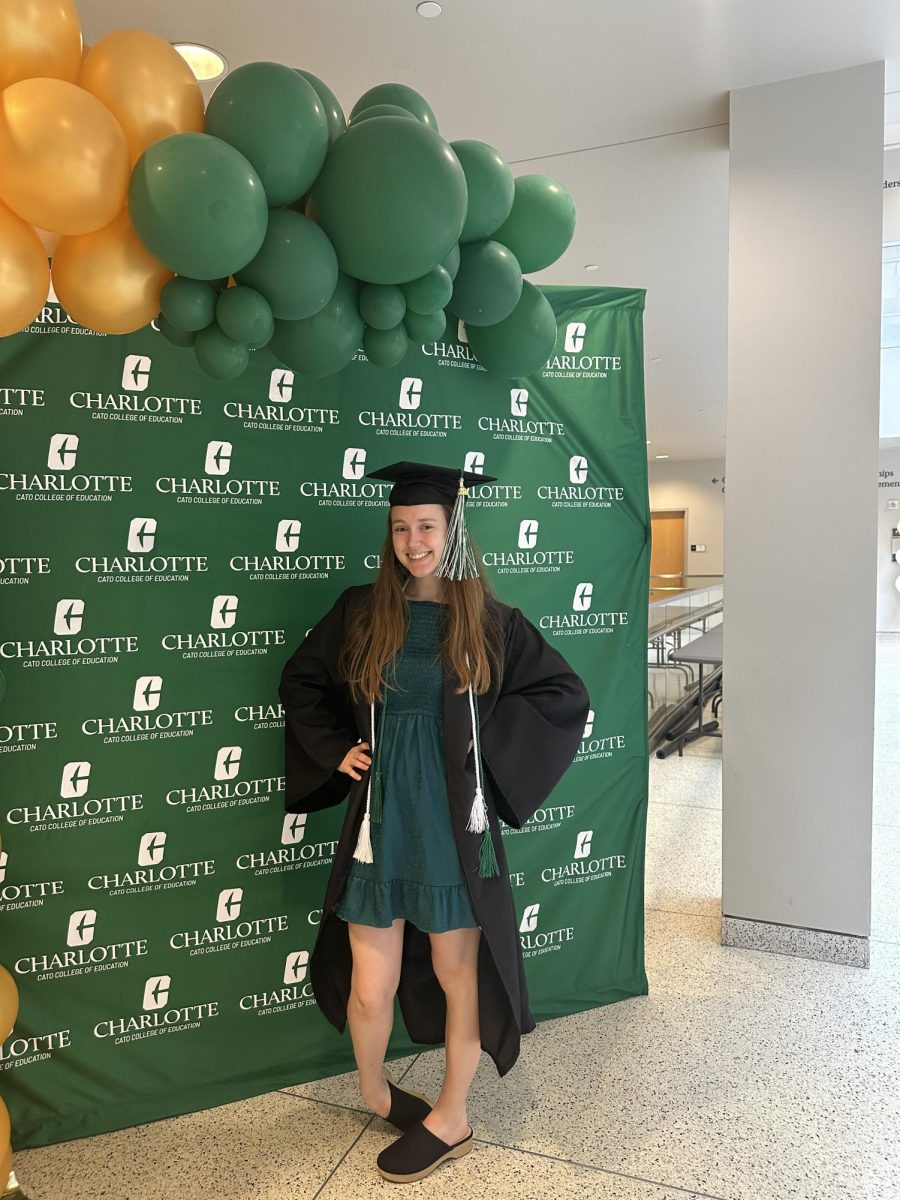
column 81, row 927
column 228, row 906
column 224, row 612
column 474, row 462
column 141, row 534
column 528, row 534
column 75, row 779
column 228, row 762
column 584, row 594
column 152, row 849
column 136, row 373
column 281, row 386
column 575, row 333
column 293, row 828
column 147, row 693
column 68, row 618
column 588, row 725
column 529, row 918
column 578, row 469
column 295, row 966
column 355, row 462
column 156, row 992
column 583, row 844
column 287, row 536
column 410, row 392
column 518, row 402
column 63, row 451
column 218, row 458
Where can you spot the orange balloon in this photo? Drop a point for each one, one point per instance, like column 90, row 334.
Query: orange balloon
column 5, row 1129
column 9, row 1004
column 64, row 161
column 146, row 85
column 24, row 280
column 6, row 1166
column 107, row 280
column 39, row 37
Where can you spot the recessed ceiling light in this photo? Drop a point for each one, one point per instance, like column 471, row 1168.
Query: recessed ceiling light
column 592, row 267
column 205, row 62
column 428, row 9
column 662, row 456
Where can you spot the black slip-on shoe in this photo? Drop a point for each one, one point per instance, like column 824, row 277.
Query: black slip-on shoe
column 419, row 1152
column 407, row 1108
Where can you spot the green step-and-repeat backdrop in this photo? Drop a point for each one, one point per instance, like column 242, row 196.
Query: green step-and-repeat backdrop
column 167, row 541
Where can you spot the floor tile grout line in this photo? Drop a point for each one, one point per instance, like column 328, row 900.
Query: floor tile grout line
column 574, row 1162
column 364, row 1129
column 318, row 1100
column 343, row 1157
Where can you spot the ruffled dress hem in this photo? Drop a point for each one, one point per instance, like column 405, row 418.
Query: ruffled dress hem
column 431, row 908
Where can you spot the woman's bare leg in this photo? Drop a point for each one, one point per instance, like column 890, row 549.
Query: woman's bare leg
column 455, row 958
column 377, row 954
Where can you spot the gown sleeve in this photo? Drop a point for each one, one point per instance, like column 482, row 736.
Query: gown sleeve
column 533, row 731
column 319, row 725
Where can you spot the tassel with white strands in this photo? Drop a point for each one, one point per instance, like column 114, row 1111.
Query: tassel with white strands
column 478, row 817
column 363, row 852
column 458, row 558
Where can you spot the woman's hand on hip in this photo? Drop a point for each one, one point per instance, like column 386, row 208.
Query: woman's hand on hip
column 356, row 760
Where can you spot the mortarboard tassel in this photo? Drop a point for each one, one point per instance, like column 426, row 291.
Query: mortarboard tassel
column 458, row 558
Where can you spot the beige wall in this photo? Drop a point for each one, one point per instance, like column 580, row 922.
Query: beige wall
column 688, row 485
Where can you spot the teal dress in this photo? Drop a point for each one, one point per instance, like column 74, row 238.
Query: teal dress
column 416, row 873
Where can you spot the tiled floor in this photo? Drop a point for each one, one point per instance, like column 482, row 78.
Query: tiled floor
column 743, row 1075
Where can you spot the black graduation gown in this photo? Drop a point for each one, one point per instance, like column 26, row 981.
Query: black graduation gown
column 532, row 720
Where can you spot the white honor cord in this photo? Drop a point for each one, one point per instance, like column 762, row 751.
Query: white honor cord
column 363, row 851
column 478, row 816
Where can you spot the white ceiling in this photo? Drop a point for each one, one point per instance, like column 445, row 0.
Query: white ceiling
column 624, row 101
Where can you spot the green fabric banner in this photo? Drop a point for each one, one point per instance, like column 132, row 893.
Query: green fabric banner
column 167, row 542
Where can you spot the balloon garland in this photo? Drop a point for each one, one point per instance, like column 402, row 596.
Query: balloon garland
column 269, row 220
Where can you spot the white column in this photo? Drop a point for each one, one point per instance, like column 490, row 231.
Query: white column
column 800, row 512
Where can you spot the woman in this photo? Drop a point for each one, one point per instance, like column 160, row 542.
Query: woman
column 470, row 717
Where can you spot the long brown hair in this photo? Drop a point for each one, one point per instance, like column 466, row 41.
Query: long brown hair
column 471, row 645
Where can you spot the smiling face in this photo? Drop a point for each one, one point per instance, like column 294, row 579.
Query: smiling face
column 419, row 532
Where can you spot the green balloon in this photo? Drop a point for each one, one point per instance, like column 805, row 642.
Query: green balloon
column 296, row 268
column 198, row 205
column 392, row 198
column 402, row 96
column 334, row 114
column 323, row 344
column 425, row 329
column 386, row 347
column 178, row 337
column 540, row 224
column 451, row 262
column 488, row 285
column 275, row 118
column 429, row 293
column 188, row 304
column 381, row 110
column 245, row 316
column 491, row 188
column 523, row 342
column 220, row 356
column 382, row 306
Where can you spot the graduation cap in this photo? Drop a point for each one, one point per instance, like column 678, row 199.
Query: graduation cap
column 424, row 483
